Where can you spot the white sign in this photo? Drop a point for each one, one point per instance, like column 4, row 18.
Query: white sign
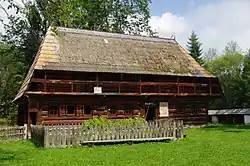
column 164, row 109
column 97, row 89
column 150, row 103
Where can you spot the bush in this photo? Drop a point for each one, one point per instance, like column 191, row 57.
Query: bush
column 3, row 122
column 101, row 121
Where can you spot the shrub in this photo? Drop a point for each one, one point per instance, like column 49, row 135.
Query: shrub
column 101, row 121
column 3, row 122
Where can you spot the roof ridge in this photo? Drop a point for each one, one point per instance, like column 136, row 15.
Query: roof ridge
column 115, row 35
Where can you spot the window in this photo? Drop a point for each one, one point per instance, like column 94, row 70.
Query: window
column 87, row 109
column 112, row 109
column 63, row 109
column 128, row 109
column 70, row 110
column 53, row 110
column 79, row 110
column 45, row 110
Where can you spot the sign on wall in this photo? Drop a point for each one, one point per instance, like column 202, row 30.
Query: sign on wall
column 97, row 89
column 164, row 109
column 150, row 103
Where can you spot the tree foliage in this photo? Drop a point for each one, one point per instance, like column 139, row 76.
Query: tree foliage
column 11, row 75
column 194, row 47
column 27, row 26
column 232, row 69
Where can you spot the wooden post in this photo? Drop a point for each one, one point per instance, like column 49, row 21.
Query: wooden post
column 119, row 88
column 140, row 82
column 178, row 87
column 72, row 87
column 45, row 84
column 28, row 125
column 210, row 86
column 25, row 131
column 182, row 129
column 174, row 129
column 97, row 80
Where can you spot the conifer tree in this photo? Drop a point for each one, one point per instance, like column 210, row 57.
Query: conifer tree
column 194, row 48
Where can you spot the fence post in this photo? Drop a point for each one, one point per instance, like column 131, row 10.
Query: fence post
column 181, row 129
column 25, row 131
column 174, row 128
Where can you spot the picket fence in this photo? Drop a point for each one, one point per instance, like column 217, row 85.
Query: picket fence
column 74, row 135
column 12, row 133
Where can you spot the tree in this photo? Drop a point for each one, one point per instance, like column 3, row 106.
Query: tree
column 11, row 75
column 232, row 48
column 211, row 54
column 228, row 69
column 27, row 26
column 246, row 80
column 194, row 48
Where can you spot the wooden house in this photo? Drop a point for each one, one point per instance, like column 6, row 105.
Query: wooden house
column 80, row 74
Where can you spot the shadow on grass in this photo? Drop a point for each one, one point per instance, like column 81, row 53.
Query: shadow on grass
column 227, row 128
column 124, row 143
column 6, row 155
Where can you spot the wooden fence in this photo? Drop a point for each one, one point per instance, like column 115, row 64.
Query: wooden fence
column 75, row 135
column 12, row 133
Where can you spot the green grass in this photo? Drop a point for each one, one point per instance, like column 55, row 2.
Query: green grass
column 215, row 145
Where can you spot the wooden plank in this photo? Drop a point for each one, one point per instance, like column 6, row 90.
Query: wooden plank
column 74, row 135
column 64, row 137
column 142, row 83
column 12, row 133
column 121, row 94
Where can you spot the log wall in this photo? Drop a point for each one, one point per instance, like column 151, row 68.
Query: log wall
column 190, row 111
column 66, row 97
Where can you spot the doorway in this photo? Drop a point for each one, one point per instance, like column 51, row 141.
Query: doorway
column 33, row 116
column 151, row 113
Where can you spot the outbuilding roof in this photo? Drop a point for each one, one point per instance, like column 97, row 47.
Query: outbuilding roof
column 240, row 111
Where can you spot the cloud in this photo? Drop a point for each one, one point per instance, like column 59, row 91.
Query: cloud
column 215, row 23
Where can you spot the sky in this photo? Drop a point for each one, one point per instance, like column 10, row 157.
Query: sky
column 216, row 22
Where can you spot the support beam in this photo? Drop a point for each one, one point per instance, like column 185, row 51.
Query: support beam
column 140, row 83
column 45, row 82
column 178, row 85
column 210, row 86
column 118, row 82
column 120, row 94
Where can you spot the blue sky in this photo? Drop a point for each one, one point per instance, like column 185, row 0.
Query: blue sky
column 215, row 21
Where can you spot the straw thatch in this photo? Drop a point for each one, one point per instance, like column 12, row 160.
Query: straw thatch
column 68, row 49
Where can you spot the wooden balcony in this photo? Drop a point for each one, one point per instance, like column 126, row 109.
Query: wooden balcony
column 122, row 88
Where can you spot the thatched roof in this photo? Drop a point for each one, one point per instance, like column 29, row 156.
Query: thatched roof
column 68, row 49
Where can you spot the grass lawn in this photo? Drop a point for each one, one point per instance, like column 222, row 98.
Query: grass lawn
column 217, row 145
